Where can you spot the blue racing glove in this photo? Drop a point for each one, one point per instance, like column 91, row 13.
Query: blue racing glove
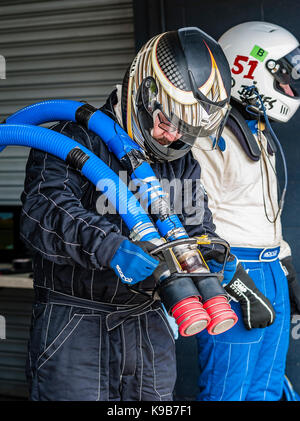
column 229, row 270
column 132, row 264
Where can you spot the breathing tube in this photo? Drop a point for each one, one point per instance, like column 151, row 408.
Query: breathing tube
column 117, row 140
column 181, row 293
column 81, row 158
column 253, row 90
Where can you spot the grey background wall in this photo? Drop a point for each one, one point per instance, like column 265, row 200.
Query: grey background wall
column 215, row 17
column 71, row 49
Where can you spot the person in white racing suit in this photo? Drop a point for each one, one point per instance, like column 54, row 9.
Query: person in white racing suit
column 248, row 361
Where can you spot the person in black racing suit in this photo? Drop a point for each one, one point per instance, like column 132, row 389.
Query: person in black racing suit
column 92, row 337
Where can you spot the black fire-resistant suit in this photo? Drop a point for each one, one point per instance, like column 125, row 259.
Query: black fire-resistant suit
column 92, row 338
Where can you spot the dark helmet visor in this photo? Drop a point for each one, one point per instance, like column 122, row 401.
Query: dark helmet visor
column 286, row 72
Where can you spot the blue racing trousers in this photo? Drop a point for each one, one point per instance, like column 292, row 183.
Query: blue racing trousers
column 249, row 365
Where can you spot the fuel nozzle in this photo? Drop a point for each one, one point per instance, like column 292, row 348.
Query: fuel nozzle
column 181, row 299
column 189, row 313
column 213, row 295
column 179, row 293
column 192, row 295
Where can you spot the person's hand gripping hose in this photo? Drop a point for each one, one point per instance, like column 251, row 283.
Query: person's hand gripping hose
column 132, row 264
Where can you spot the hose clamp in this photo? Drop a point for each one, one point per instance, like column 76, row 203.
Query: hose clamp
column 140, row 230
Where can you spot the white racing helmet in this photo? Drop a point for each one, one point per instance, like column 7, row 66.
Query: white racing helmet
column 266, row 56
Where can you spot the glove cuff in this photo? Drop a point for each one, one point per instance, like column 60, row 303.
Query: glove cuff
column 111, row 244
column 237, row 288
column 289, row 268
column 229, row 269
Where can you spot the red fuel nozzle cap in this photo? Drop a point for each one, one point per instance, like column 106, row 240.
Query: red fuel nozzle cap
column 190, row 316
column 222, row 316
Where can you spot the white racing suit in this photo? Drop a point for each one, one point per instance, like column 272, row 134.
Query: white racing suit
column 245, row 364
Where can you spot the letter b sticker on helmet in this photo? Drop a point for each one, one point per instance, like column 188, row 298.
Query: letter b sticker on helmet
column 258, row 53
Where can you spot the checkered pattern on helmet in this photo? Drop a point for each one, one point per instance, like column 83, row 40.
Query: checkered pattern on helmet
column 167, row 62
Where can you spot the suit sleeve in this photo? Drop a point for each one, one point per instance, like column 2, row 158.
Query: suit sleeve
column 54, row 222
column 285, row 249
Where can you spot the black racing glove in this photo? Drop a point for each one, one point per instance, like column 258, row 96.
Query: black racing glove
column 256, row 308
column 293, row 284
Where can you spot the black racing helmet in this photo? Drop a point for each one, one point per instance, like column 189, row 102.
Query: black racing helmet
column 182, row 80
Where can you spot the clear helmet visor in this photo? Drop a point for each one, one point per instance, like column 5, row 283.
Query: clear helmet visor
column 286, row 72
column 177, row 125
